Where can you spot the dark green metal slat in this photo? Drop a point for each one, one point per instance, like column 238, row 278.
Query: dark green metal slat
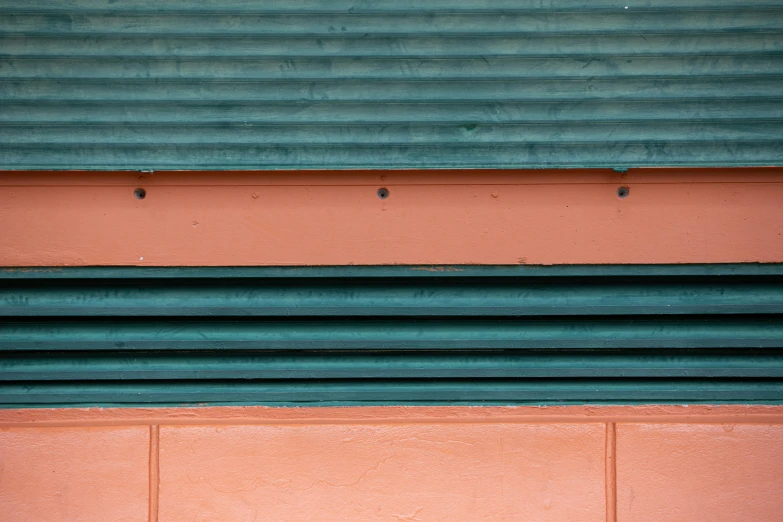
column 322, row 84
column 397, row 296
column 480, row 365
column 361, row 393
column 391, row 335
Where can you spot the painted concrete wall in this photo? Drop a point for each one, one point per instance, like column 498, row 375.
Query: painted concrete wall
column 393, row 464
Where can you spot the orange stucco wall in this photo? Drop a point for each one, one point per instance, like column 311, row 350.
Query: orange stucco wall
column 393, row 463
column 306, row 218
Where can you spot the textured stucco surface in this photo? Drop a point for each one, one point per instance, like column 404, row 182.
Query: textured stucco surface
column 393, row 463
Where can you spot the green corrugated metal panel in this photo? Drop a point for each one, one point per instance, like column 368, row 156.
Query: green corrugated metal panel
column 392, row 335
column 241, row 84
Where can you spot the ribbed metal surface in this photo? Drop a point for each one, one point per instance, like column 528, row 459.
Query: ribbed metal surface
column 392, row 335
column 240, row 84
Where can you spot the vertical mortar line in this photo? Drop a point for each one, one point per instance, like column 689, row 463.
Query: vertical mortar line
column 154, row 472
column 611, row 472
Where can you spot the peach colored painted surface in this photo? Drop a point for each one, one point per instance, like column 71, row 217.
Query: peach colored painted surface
column 494, row 217
column 719, row 473
column 87, row 473
column 613, row 463
column 383, row 472
column 254, row 415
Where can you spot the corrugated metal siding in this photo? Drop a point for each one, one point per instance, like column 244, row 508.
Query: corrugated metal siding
column 240, row 84
column 500, row 335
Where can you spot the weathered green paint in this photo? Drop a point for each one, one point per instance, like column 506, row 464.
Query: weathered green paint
column 421, row 334
column 391, row 392
column 98, row 84
column 766, row 364
column 391, row 335
column 393, row 296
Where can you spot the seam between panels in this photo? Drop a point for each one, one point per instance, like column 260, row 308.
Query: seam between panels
column 154, row 472
column 610, row 464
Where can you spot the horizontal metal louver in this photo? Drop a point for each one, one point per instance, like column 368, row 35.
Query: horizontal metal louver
column 391, row 335
column 334, row 84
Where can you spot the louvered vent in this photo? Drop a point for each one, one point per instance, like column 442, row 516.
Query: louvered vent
column 393, row 335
